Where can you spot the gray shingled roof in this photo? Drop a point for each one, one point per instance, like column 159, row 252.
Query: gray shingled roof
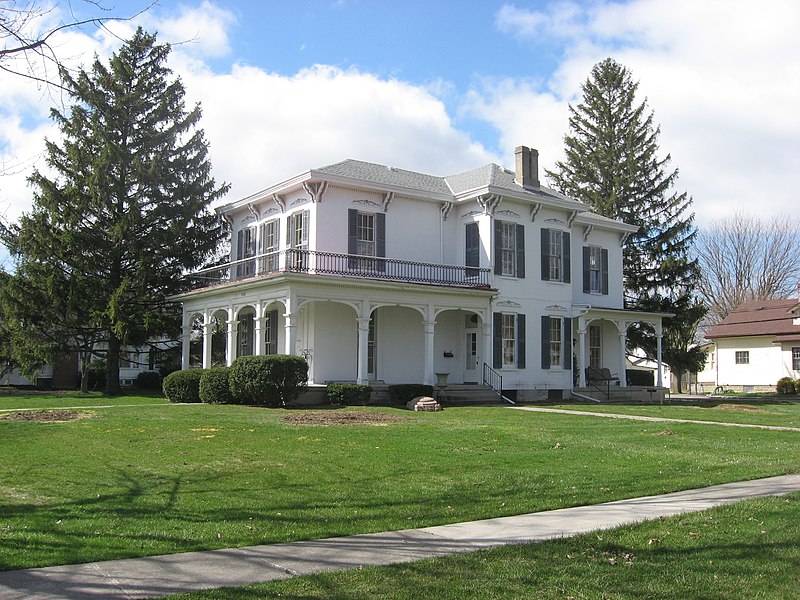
column 382, row 174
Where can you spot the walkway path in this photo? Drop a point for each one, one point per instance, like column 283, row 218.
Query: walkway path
column 655, row 419
column 162, row 575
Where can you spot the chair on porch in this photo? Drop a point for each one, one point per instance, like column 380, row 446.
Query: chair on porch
column 596, row 377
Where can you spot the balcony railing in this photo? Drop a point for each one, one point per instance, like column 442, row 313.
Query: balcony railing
column 345, row 265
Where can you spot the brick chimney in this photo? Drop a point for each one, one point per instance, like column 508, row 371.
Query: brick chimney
column 527, row 167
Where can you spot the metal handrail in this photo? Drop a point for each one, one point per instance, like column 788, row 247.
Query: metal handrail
column 495, row 381
column 333, row 263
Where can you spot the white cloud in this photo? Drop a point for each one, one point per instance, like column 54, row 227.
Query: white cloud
column 721, row 77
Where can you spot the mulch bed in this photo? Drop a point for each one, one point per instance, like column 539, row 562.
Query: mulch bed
column 45, row 416
column 337, row 417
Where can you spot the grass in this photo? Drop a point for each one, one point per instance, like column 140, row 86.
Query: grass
column 36, row 400
column 747, row 550
column 162, row 479
column 778, row 413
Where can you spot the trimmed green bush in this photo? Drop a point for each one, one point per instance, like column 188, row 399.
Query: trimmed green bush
column 348, row 394
column 272, row 380
column 183, row 386
column 214, row 386
column 640, row 377
column 148, row 380
column 401, row 393
column 785, row 385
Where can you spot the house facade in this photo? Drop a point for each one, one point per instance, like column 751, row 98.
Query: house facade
column 377, row 274
column 754, row 346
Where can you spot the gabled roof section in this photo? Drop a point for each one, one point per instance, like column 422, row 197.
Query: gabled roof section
column 758, row 317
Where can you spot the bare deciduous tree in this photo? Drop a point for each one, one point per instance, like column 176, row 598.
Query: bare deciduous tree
column 27, row 28
column 743, row 258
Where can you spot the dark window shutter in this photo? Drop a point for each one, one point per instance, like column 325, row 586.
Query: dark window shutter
column 273, row 331
column 240, row 244
column 497, row 341
column 498, row 252
column 545, row 255
column 352, row 226
column 565, row 253
column 587, row 254
column 262, row 234
column 545, row 342
column 472, row 255
column 290, row 231
column 520, row 341
column 520, row 251
column 566, row 343
column 380, row 240
column 604, row 270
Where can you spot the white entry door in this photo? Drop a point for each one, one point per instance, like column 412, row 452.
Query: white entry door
column 473, row 359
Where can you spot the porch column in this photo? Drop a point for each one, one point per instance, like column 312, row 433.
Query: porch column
column 362, row 373
column 208, row 332
column 230, row 346
column 582, row 363
column 429, row 378
column 488, row 349
column 185, row 340
column 660, row 381
column 291, row 332
column 623, row 381
column 258, row 335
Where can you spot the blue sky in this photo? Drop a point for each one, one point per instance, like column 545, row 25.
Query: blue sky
column 446, row 86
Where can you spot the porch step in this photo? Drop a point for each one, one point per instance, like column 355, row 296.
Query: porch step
column 468, row 395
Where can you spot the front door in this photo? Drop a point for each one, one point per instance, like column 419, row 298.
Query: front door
column 472, row 357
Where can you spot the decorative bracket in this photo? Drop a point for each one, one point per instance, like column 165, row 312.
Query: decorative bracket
column 446, row 208
column 280, row 201
column 254, row 211
column 624, row 238
column 586, row 231
column 387, row 199
column 535, row 208
column 489, row 203
column 571, row 218
column 315, row 189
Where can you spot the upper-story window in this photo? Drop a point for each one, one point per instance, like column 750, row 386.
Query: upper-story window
column 555, row 255
column 742, row 357
column 246, row 248
column 509, row 249
column 595, row 270
column 366, row 233
column 297, row 239
column 269, row 244
column 795, row 359
column 472, row 249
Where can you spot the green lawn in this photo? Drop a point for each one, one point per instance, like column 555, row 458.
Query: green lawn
column 780, row 413
column 747, row 550
column 150, row 480
column 69, row 399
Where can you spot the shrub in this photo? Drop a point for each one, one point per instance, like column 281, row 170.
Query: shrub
column 403, row 392
column 97, row 374
column 348, row 394
column 183, row 386
column 785, row 385
column 148, row 380
column 272, row 380
column 214, row 386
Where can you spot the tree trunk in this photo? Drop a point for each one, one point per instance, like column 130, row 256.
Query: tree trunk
column 85, row 358
column 112, row 367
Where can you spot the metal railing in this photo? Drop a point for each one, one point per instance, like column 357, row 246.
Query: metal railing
column 346, row 265
column 495, row 381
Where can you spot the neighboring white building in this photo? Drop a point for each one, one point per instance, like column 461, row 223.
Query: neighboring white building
column 754, row 346
column 377, row 274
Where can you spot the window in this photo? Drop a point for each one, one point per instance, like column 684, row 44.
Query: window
column 595, row 342
column 128, row 359
column 742, row 357
column 795, row 359
column 555, row 255
column 271, row 332
column 472, row 251
column 371, row 346
column 509, row 341
column 595, row 270
column 245, row 248
column 556, row 343
column 270, row 245
column 297, row 238
column 509, row 249
column 366, row 237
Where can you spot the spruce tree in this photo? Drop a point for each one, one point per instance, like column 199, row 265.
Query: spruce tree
column 109, row 237
column 613, row 164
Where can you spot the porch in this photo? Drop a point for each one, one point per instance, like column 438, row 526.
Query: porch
column 632, row 394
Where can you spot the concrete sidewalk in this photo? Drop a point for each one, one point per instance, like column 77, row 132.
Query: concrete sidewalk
column 162, row 575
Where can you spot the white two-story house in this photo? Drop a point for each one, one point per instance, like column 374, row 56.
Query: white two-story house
column 382, row 275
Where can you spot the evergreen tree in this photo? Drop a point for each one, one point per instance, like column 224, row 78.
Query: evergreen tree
column 613, row 165
column 109, row 237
